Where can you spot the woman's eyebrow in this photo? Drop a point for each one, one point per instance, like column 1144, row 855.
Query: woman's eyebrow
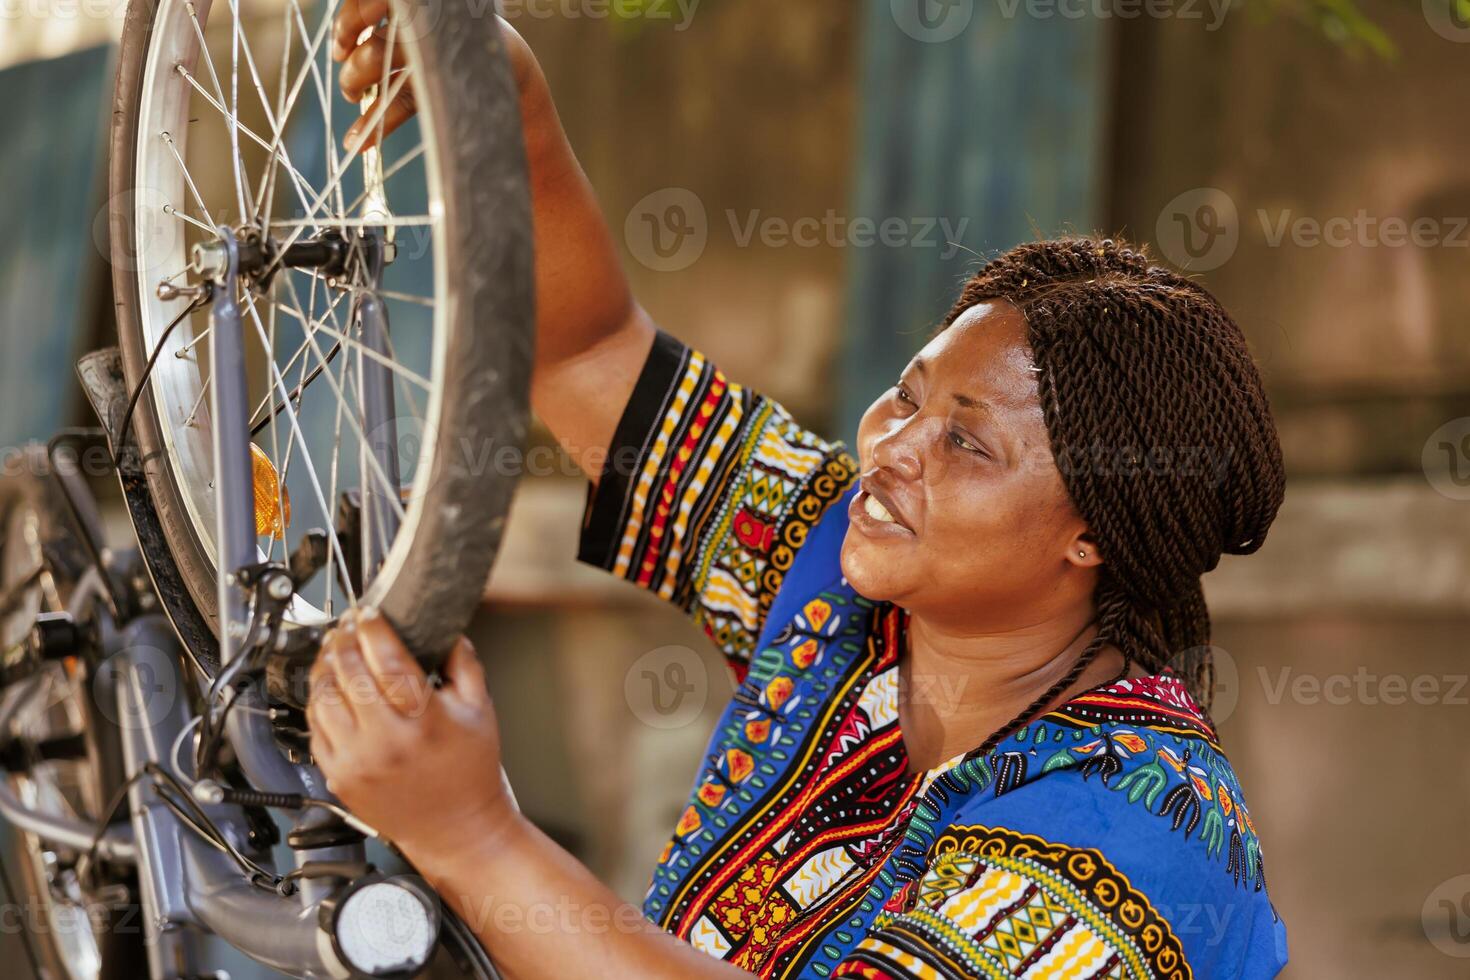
column 967, row 402
column 918, row 366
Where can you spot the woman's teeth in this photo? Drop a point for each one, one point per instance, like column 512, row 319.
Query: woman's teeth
column 876, row 510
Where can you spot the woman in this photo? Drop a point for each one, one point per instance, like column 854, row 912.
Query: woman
column 968, row 738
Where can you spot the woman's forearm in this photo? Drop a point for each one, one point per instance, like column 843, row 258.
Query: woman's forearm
column 540, row 913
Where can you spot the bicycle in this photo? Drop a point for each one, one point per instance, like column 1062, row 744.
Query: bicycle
column 228, row 591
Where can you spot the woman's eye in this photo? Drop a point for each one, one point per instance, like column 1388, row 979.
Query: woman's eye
column 903, row 395
column 959, row 440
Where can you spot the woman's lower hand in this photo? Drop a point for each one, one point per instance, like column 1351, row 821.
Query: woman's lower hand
column 420, row 763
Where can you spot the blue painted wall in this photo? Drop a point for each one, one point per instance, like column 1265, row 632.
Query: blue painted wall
column 970, row 113
column 52, row 158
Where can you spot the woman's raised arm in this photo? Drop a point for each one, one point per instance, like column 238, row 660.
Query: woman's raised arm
column 591, row 337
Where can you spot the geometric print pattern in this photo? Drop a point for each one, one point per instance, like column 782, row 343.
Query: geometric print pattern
column 997, row 903
column 708, row 494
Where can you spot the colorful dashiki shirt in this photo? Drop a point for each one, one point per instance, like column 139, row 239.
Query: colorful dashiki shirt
column 1108, row 838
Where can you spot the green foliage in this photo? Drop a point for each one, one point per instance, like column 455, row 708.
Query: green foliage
column 1343, row 22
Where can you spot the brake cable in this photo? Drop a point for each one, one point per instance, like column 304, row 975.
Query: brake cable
column 204, row 297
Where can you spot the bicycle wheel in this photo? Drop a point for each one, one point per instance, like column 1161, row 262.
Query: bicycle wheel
column 229, row 114
column 74, row 756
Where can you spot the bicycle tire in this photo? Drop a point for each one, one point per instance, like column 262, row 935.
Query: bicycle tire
column 463, row 78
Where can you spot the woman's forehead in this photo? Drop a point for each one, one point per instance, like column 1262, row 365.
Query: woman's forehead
column 983, row 353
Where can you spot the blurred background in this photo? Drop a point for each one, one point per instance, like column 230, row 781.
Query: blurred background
column 799, row 190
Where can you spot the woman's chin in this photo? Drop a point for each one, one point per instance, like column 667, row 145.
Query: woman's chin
column 869, row 571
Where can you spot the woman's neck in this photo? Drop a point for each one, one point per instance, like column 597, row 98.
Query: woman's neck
column 958, row 687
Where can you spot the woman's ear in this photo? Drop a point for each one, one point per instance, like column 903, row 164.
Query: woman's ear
column 1083, row 551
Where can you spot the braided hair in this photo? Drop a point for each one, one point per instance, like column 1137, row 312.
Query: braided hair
column 1161, row 431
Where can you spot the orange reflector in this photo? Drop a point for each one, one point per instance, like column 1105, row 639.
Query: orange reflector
column 272, row 502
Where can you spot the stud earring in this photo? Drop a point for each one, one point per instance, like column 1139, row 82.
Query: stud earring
column 1081, row 554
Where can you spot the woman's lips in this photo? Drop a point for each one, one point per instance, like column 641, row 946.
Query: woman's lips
column 873, row 518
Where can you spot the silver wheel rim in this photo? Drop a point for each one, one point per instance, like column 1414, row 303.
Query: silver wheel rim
column 168, row 195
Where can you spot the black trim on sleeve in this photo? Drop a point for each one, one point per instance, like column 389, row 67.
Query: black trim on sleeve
column 605, row 513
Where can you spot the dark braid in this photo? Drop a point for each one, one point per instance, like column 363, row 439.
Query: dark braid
column 1136, row 367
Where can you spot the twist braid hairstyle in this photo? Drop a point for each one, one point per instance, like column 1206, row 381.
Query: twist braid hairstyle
column 1160, row 428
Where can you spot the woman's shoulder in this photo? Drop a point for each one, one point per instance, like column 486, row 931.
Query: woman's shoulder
column 1144, row 757
column 1120, row 808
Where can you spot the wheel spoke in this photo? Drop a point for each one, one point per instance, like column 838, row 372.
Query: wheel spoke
column 283, row 117
column 267, row 194
column 193, row 342
column 188, row 179
column 402, row 384
column 296, row 179
column 241, row 186
column 393, row 492
column 398, row 165
column 295, row 425
column 335, row 180
column 172, row 211
column 284, row 465
column 258, row 415
column 281, row 154
column 371, row 222
column 323, row 93
column 235, row 161
column 194, row 411
column 336, row 457
column 362, row 348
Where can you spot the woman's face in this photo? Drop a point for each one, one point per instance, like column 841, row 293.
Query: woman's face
column 962, row 516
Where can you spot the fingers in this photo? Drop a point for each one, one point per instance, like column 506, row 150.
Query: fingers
column 323, row 750
column 398, row 112
column 364, row 66
column 396, row 675
column 331, row 720
column 354, row 17
column 465, row 675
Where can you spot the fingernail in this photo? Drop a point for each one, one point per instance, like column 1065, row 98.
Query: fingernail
column 368, row 613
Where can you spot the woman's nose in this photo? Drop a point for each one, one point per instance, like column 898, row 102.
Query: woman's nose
column 898, row 449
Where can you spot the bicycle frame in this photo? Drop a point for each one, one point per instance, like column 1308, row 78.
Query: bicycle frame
column 187, row 885
column 185, row 882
